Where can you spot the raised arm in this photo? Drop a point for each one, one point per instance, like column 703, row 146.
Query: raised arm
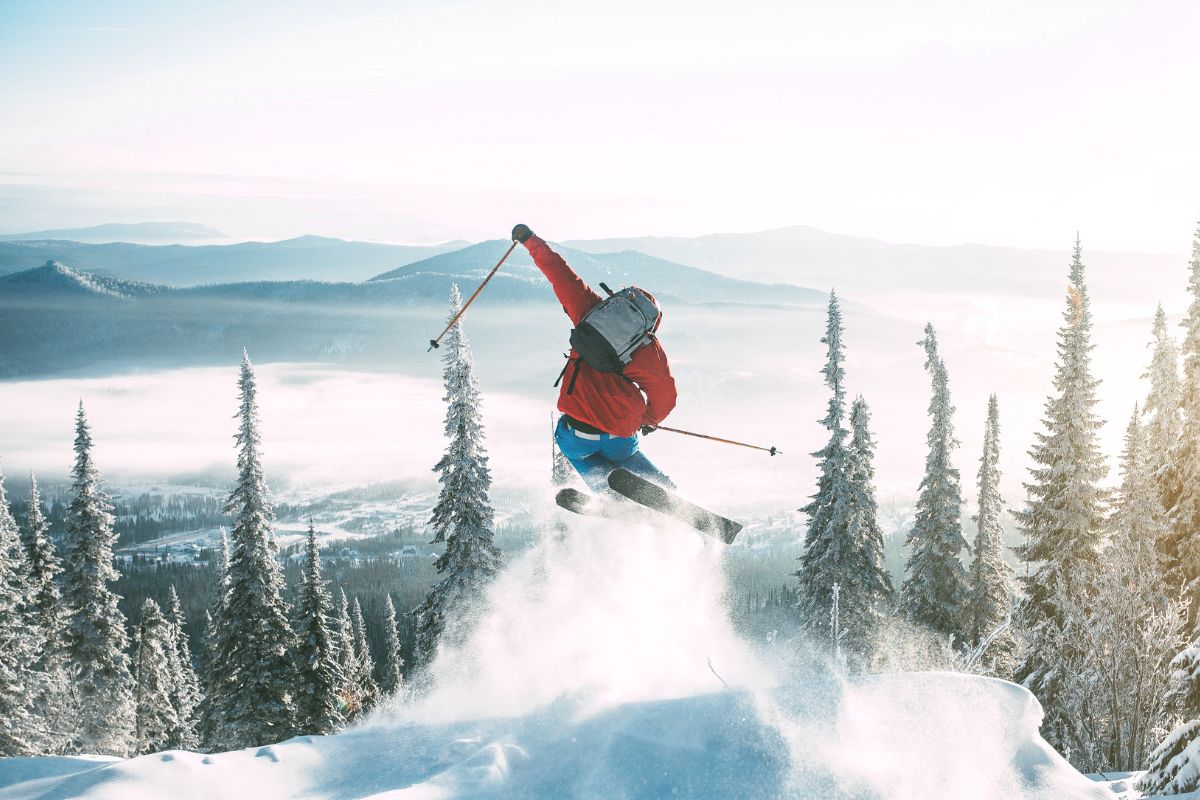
column 576, row 297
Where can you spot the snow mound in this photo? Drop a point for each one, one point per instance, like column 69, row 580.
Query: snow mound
column 900, row 737
column 589, row 676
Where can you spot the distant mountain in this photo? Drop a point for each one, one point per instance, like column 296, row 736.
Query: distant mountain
column 56, row 318
column 54, row 280
column 303, row 258
column 665, row 279
column 869, row 267
column 138, row 233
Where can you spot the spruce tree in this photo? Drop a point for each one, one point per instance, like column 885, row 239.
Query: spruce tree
column 1164, row 423
column 255, row 673
column 347, row 658
column 1181, row 546
column 865, row 588
column 935, row 592
column 54, row 701
column 208, row 711
column 20, row 641
column 185, row 695
column 318, row 707
column 44, row 569
column 207, row 726
column 392, row 679
column 827, row 536
column 154, row 674
column 364, row 680
column 1064, row 512
column 463, row 516
column 992, row 587
column 96, row 639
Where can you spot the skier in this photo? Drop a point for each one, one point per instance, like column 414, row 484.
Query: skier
column 603, row 412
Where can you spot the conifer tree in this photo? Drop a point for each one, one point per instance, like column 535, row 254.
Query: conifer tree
column 1164, row 423
column 392, row 679
column 463, row 515
column 865, row 588
column 1181, row 546
column 827, row 536
column 318, row 707
column 44, row 569
column 935, row 592
column 255, row 673
column 208, row 711
column 154, row 673
column 96, row 639
column 368, row 690
column 992, row 587
column 20, row 641
column 1064, row 512
column 55, row 694
column 347, row 657
column 185, row 686
column 207, row 724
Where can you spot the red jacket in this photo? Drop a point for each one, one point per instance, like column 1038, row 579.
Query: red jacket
column 606, row 400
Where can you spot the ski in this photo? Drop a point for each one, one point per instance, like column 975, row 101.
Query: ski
column 655, row 497
column 589, row 505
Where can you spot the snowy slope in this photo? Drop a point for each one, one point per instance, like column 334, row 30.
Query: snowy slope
column 901, row 736
column 588, row 677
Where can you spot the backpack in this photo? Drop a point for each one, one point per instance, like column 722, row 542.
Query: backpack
column 616, row 328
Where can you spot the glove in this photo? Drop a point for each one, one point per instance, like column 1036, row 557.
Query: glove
column 521, row 233
column 648, row 429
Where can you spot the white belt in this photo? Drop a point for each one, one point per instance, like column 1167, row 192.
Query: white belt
column 595, row 437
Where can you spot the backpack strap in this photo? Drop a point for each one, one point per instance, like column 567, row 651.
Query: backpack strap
column 574, row 374
column 604, row 286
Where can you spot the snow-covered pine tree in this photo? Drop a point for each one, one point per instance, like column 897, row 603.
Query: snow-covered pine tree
column 935, row 592
column 1065, row 504
column 154, row 675
column 255, row 675
column 20, row 641
column 55, row 695
column 1121, row 633
column 992, row 586
column 368, row 690
column 347, row 657
column 318, row 707
column 96, row 639
column 827, row 536
column 1162, row 412
column 462, row 517
column 1181, row 546
column 208, row 712
column 392, row 679
column 185, row 686
column 866, row 590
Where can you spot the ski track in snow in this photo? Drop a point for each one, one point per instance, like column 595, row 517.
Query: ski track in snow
column 588, row 677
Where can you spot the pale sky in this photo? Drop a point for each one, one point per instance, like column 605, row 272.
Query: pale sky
column 1007, row 122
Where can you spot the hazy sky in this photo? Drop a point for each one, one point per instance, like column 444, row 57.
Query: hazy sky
column 1007, row 122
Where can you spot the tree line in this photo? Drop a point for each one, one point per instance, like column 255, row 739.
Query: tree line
column 74, row 680
column 1103, row 627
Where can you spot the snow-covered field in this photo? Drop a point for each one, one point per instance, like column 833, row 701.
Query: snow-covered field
column 589, row 676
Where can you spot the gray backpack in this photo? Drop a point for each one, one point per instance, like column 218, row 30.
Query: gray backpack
column 616, row 328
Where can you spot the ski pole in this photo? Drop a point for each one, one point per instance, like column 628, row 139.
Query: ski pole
column 773, row 451
column 434, row 342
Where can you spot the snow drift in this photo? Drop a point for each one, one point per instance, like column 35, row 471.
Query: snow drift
column 589, row 677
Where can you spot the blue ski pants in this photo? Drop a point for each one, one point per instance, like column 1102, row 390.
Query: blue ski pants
column 594, row 455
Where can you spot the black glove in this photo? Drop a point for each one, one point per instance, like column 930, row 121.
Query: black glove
column 521, row 233
column 648, row 429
